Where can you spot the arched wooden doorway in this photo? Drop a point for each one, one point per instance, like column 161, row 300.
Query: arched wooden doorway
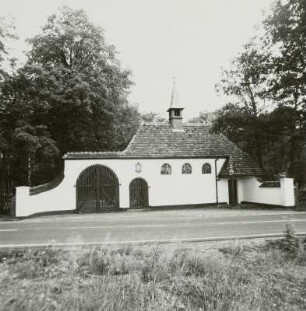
column 97, row 190
column 139, row 193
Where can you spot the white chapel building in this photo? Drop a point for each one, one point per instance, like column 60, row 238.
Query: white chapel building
column 165, row 165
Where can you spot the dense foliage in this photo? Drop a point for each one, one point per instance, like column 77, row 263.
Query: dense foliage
column 71, row 95
column 267, row 94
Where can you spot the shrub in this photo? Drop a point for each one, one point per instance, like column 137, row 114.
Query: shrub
column 290, row 245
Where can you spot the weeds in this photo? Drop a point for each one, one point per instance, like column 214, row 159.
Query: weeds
column 290, row 245
column 154, row 278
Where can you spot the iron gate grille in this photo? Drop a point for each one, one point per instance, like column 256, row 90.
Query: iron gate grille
column 139, row 193
column 97, row 190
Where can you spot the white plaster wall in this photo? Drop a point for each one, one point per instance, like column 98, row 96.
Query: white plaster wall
column 61, row 198
column 287, row 184
column 284, row 195
column 223, row 191
column 174, row 189
column 240, row 194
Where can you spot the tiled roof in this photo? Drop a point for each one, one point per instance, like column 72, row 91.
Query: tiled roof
column 194, row 141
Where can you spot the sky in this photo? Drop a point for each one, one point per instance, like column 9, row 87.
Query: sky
column 190, row 40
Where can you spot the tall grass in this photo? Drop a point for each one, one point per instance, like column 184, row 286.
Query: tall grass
column 153, row 278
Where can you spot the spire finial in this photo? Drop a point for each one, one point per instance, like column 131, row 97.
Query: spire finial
column 174, row 102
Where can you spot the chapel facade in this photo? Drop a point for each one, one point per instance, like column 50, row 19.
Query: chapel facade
column 164, row 165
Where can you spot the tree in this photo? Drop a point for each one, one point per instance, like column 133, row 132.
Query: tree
column 273, row 130
column 125, row 125
column 285, row 38
column 241, row 127
column 280, row 128
column 267, row 76
column 6, row 66
column 204, row 117
column 34, row 147
column 152, row 117
column 246, row 83
column 6, row 34
column 77, row 79
column 71, row 95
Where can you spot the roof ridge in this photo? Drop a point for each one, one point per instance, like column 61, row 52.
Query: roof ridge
column 184, row 124
column 155, row 123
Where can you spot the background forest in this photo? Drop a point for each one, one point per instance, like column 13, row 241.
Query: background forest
column 71, row 95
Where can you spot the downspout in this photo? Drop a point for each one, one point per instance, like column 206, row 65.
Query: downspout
column 217, row 195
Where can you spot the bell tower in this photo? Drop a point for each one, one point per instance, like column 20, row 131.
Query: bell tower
column 175, row 110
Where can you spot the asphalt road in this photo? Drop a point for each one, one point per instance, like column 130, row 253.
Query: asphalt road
column 148, row 227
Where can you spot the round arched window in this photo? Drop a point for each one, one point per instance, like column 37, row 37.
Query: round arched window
column 206, row 168
column 165, row 169
column 186, row 169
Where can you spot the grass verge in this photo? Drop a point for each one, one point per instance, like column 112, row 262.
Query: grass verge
column 264, row 276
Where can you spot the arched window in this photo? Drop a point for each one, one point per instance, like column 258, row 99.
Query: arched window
column 165, row 169
column 186, row 169
column 206, row 168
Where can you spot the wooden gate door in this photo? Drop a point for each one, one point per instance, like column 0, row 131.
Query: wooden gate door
column 97, row 190
column 232, row 191
column 139, row 194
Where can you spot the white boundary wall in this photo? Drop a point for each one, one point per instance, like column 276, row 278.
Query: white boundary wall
column 174, row 189
column 252, row 192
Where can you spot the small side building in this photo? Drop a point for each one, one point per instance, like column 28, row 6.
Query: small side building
column 165, row 164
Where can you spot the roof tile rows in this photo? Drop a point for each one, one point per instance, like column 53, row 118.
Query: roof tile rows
column 194, row 141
